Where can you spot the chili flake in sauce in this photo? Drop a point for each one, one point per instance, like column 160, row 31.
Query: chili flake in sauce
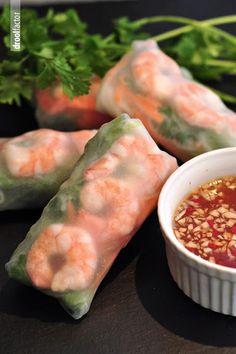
column 205, row 222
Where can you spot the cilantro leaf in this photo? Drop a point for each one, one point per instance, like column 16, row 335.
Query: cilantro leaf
column 127, row 31
column 5, row 18
column 12, row 88
column 46, row 77
column 73, row 81
column 69, row 23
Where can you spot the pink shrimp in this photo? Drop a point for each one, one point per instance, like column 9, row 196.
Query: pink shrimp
column 199, row 106
column 121, row 92
column 115, row 183
column 159, row 77
column 37, row 152
column 62, row 258
column 111, row 198
column 101, row 168
column 137, row 160
column 153, row 73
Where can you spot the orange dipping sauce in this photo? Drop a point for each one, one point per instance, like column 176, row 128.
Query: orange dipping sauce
column 205, row 222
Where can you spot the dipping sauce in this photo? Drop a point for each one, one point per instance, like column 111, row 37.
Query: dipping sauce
column 205, row 222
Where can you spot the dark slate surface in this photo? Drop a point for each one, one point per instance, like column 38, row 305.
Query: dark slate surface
column 138, row 308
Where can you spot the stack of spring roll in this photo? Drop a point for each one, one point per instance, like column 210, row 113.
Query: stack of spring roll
column 185, row 117
column 108, row 191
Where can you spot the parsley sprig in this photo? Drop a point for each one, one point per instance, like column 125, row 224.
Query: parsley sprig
column 58, row 46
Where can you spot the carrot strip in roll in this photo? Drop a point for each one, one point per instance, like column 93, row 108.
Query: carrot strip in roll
column 54, row 109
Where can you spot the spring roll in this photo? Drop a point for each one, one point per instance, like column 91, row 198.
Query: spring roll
column 33, row 165
column 113, row 188
column 182, row 115
column 57, row 111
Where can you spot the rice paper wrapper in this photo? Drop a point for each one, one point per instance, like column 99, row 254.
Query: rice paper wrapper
column 35, row 164
column 56, row 110
column 182, row 115
column 112, row 190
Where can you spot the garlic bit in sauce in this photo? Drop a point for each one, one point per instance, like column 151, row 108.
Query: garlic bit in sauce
column 205, row 222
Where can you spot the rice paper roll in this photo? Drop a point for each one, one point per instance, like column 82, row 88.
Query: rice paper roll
column 184, row 116
column 35, row 164
column 112, row 190
column 54, row 109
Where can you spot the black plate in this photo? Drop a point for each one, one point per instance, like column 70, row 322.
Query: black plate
column 138, row 308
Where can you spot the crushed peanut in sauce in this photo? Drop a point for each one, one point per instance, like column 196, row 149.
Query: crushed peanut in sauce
column 205, row 222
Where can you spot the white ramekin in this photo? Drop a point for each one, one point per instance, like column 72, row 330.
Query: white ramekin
column 210, row 285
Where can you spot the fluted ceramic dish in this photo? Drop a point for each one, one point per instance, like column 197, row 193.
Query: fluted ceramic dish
column 210, row 285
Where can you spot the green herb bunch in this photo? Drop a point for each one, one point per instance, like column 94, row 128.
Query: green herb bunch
column 54, row 47
column 58, row 46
